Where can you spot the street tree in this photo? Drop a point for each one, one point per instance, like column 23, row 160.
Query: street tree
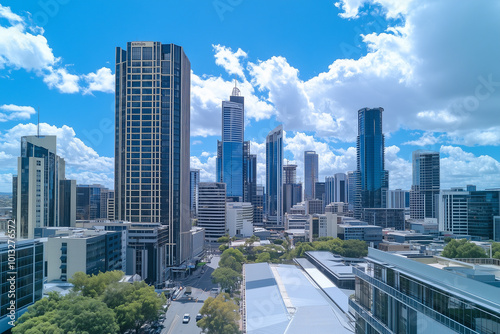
column 94, row 285
column 220, row 315
column 227, row 278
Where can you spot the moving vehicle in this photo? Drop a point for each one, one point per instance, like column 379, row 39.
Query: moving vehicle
column 199, row 316
column 186, row 318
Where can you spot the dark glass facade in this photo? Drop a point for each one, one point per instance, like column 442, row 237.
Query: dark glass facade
column 310, row 173
column 152, row 140
column 372, row 178
column 29, row 277
column 274, row 176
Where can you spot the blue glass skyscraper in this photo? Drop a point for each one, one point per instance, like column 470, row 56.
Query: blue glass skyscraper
column 230, row 164
column 372, row 178
column 274, row 176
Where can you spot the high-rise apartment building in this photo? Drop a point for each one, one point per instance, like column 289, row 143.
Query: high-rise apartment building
column 42, row 196
column 425, row 186
column 351, row 189
column 212, row 209
column 152, row 161
column 310, row 173
column 194, row 180
column 372, row 179
column 274, row 176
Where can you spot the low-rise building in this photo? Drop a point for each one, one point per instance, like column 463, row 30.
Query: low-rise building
column 83, row 250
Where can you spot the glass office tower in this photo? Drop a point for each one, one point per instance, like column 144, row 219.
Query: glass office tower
column 152, row 141
column 193, row 191
column 41, row 197
column 310, row 173
column 230, row 149
column 274, row 176
column 372, row 178
column 425, row 186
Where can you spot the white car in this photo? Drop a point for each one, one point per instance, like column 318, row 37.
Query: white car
column 186, row 318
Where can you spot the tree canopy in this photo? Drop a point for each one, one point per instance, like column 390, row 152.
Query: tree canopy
column 463, row 249
column 69, row 314
column 97, row 304
column 227, row 278
column 220, row 315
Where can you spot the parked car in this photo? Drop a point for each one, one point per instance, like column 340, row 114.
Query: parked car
column 186, row 318
column 199, row 316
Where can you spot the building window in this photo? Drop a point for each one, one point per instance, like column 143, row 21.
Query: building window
column 136, row 53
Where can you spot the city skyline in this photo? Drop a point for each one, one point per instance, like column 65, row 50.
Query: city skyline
column 281, row 84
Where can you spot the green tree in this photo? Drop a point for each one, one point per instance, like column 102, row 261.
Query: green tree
column 94, row 285
column 69, row 314
column 463, row 249
column 222, row 248
column 495, row 250
column 278, row 241
column 134, row 304
column 354, row 248
column 231, row 252
column 220, row 315
column 227, row 278
column 231, row 262
column 223, row 240
column 263, row 257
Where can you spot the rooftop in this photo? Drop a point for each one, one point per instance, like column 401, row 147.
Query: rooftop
column 283, row 299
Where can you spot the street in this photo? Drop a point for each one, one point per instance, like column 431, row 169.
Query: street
column 201, row 283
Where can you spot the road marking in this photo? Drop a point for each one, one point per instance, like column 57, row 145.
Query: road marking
column 174, row 322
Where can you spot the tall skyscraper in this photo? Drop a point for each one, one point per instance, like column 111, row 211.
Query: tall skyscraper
column 329, row 189
column 310, row 173
column 194, row 180
column 292, row 191
column 249, row 174
column 289, row 174
column 425, row 186
column 152, row 141
column 212, row 209
column 230, row 149
column 372, row 179
column 341, row 188
column 351, row 188
column 258, row 206
column 319, row 192
column 42, row 197
column 274, row 176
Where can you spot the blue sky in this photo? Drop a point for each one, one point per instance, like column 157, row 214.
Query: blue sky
column 432, row 65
